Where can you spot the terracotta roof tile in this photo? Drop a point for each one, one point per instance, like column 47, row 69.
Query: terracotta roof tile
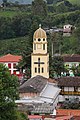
column 64, row 117
column 68, row 112
column 10, row 58
column 69, row 81
column 71, row 58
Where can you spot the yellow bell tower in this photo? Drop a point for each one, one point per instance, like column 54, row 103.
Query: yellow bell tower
column 40, row 57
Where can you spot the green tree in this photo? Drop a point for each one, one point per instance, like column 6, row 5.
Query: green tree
column 57, row 65
column 49, row 1
column 39, row 7
column 4, row 3
column 25, row 63
column 21, row 25
column 8, row 94
column 6, row 30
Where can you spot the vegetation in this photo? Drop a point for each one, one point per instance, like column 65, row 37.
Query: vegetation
column 39, row 7
column 8, row 95
column 18, row 23
column 71, row 104
column 77, row 2
column 56, row 66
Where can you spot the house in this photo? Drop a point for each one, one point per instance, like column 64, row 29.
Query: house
column 11, row 61
column 41, row 94
column 36, row 86
column 32, row 87
column 70, row 87
column 71, row 61
column 67, row 30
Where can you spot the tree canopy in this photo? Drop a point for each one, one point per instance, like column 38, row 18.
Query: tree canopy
column 39, row 7
column 8, row 94
column 56, row 66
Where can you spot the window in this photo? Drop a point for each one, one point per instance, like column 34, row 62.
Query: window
column 10, row 71
column 14, row 72
column 62, row 89
column 9, row 65
column 34, row 46
column 38, row 59
column 42, row 69
column 39, row 39
column 75, row 89
column 43, row 39
column 39, row 70
column 35, row 70
column 43, row 46
column 14, row 65
column 67, row 65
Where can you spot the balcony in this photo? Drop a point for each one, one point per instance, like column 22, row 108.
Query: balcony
column 69, row 93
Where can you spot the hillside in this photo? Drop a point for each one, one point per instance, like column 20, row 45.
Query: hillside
column 77, row 2
column 14, row 45
column 73, row 2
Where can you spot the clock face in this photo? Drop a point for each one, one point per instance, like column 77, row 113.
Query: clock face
column 39, row 46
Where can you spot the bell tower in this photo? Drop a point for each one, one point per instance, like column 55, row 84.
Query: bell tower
column 40, row 57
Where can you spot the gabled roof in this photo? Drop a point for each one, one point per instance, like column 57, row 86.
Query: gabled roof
column 10, row 58
column 71, row 58
column 35, row 84
column 69, row 81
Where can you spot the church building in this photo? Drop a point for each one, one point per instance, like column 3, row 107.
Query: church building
column 40, row 57
column 38, row 90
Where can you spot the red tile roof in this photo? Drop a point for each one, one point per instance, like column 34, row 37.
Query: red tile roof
column 64, row 117
column 10, row 58
column 34, row 116
column 68, row 112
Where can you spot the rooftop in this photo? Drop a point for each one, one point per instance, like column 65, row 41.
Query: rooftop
column 69, row 81
column 10, row 58
column 68, row 112
column 35, row 84
column 39, row 33
column 71, row 58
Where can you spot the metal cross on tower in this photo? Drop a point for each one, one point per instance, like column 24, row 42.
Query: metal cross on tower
column 39, row 63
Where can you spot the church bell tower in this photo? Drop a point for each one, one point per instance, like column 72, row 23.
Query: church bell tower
column 40, row 57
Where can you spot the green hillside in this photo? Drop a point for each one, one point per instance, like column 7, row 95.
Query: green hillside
column 14, row 45
column 75, row 2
